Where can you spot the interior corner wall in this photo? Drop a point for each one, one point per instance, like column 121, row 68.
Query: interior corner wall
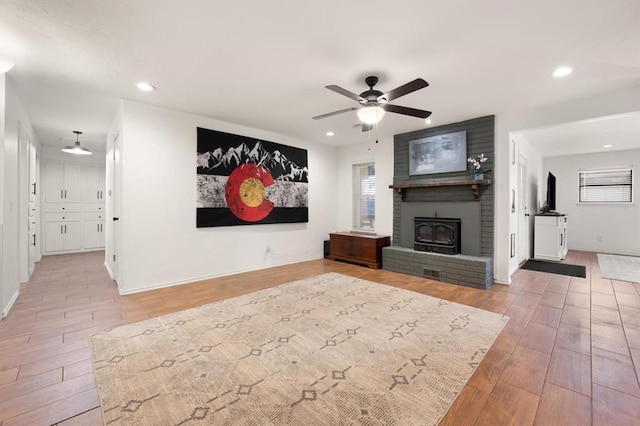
column 600, row 228
column 160, row 244
column 615, row 102
column 381, row 154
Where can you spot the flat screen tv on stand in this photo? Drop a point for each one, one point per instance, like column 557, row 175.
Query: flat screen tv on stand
column 550, row 204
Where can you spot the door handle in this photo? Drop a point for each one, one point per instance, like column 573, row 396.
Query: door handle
column 527, row 214
column 116, row 218
column 34, row 188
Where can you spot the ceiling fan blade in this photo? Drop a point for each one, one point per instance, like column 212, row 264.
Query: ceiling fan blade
column 405, row 89
column 329, row 114
column 366, row 127
column 345, row 92
column 406, row 111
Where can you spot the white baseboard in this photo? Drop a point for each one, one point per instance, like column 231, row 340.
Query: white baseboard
column 108, row 268
column 207, row 277
column 5, row 310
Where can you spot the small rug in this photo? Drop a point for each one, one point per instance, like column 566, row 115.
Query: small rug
column 621, row 268
column 326, row 350
column 555, row 268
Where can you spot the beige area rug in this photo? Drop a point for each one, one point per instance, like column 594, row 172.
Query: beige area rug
column 327, row 350
column 621, row 268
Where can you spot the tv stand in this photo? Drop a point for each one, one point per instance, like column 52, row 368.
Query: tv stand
column 550, row 236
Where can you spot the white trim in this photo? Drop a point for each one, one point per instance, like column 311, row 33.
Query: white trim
column 108, row 268
column 208, row 277
column 5, row 311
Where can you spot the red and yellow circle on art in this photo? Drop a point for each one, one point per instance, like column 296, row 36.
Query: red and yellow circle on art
column 245, row 192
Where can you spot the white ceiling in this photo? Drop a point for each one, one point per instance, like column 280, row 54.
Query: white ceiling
column 264, row 63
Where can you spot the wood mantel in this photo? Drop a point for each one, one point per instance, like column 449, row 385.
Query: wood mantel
column 401, row 188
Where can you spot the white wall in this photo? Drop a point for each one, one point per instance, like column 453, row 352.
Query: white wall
column 617, row 225
column 160, row 244
column 4, row 306
column 381, row 154
column 617, row 102
column 14, row 203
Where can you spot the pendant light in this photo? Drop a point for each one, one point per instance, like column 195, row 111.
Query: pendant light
column 76, row 149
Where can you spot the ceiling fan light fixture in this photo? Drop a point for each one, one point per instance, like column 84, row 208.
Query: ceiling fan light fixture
column 76, row 148
column 371, row 114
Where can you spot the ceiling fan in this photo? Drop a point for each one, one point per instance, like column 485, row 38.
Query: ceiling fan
column 375, row 103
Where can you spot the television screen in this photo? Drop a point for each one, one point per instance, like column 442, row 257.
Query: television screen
column 551, row 192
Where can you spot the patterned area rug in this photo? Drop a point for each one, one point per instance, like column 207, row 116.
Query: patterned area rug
column 326, row 350
column 622, row 268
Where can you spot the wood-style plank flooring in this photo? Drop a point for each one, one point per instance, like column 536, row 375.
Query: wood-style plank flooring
column 570, row 355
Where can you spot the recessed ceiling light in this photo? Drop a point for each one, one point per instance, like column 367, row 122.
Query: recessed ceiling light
column 427, row 121
column 145, row 87
column 5, row 64
column 562, row 72
column 330, row 133
column 607, row 146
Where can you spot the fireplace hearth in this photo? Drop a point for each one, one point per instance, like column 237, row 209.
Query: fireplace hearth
column 438, row 235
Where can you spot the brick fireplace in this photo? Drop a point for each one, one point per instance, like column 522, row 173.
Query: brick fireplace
column 445, row 195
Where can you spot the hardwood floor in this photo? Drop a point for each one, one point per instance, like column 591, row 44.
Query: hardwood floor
column 569, row 355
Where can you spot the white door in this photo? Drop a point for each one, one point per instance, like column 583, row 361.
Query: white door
column 54, row 236
column 523, row 210
column 72, row 183
column 54, row 182
column 73, row 235
column 90, row 184
column 93, row 234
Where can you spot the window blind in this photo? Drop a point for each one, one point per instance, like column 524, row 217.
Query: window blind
column 364, row 197
column 606, row 186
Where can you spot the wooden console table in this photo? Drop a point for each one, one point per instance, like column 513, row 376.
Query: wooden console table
column 362, row 249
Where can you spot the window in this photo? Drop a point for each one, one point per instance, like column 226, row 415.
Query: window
column 613, row 186
column 364, row 197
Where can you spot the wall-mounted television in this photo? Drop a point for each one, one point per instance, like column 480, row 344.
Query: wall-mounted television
column 551, row 193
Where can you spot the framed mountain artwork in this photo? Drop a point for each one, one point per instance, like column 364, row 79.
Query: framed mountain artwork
column 246, row 181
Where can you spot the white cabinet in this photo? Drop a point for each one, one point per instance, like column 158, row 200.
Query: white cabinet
column 32, row 174
column 550, row 237
column 93, row 184
column 93, row 234
column 93, row 228
column 74, row 218
column 61, row 236
column 63, row 182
